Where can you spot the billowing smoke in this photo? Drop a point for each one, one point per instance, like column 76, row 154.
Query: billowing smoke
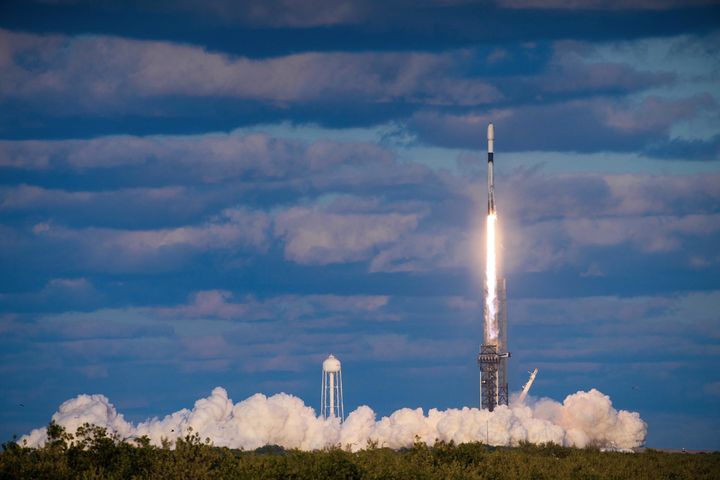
column 584, row 418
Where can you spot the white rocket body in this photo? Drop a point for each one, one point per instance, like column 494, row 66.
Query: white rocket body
column 491, row 180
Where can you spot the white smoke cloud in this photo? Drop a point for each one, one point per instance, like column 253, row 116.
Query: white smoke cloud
column 584, row 418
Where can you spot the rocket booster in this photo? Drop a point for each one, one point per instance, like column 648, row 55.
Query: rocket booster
column 491, row 181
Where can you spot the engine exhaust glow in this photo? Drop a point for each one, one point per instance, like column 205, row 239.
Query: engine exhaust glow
column 491, row 298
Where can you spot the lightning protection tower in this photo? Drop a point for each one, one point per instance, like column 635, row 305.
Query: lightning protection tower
column 331, row 403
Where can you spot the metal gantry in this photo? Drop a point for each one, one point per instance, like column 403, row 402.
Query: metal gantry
column 493, row 361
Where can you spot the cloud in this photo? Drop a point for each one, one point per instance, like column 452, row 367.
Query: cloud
column 133, row 208
column 551, row 221
column 576, row 125
column 654, row 113
column 552, row 245
column 116, row 250
column 578, row 69
column 690, row 149
column 210, row 303
column 625, row 332
column 212, row 332
column 207, row 156
column 70, row 293
column 663, row 195
column 395, row 347
column 274, row 27
column 592, row 311
column 73, row 327
column 331, row 202
column 585, row 195
column 604, row 4
column 219, row 304
column 371, row 86
column 421, row 252
column 351, row 226
column 231, row 229
column 204, row 347
column 259, row 165
column 276, row 13
column 442, row 97
column 252, row 13
column 316, row 237
column 712, row 389
column 656, row 234
column 125, row 69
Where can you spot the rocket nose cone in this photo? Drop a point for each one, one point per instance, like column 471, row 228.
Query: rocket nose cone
column 491, row 132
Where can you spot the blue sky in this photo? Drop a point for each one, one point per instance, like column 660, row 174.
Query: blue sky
column 196, row 194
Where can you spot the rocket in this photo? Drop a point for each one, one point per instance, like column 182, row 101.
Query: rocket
column 491, row 181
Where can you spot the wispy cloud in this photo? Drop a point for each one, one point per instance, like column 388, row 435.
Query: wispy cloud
column 125, row 68
column 603, row 4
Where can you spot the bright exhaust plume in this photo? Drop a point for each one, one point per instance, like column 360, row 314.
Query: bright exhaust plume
column 491, row 297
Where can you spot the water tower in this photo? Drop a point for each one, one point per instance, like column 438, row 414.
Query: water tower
column 331, row 405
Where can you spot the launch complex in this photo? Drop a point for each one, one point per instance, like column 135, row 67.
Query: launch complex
column 493, row 356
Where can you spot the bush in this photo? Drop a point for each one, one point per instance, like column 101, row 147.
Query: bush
column 93, row 454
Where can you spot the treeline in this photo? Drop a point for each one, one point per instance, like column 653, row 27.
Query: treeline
column 93, row 454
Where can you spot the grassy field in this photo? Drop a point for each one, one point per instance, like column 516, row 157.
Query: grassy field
column 91, row 454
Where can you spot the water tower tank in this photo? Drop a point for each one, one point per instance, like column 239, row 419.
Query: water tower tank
column 331, row 397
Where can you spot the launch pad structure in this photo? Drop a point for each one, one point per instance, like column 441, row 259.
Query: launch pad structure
column 493, row 361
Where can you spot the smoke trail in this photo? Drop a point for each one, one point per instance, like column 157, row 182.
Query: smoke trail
column 491, row 299
column 584, row 418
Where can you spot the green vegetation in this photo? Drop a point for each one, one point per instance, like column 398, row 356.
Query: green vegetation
column 93, row 454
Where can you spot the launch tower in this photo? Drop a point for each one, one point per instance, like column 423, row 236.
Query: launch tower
column 493, row 357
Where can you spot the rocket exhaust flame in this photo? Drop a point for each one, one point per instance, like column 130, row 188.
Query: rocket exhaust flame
column 491, row 293
column 491, row 298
